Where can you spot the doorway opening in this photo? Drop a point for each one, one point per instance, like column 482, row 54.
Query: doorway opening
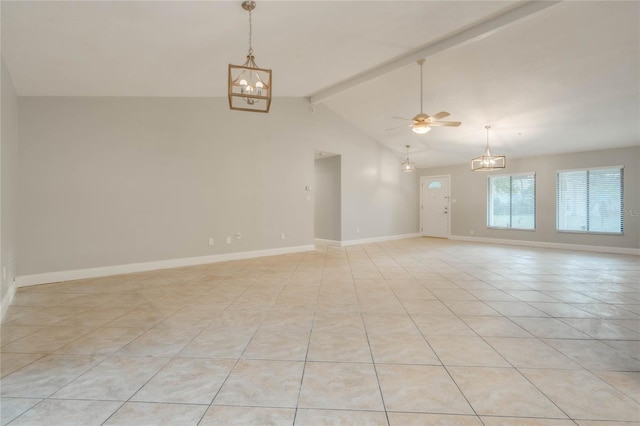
column 327, row 200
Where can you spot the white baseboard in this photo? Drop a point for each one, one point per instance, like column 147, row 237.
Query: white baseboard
column 79, row 274
column 542, row 244
column 320, row 241
column 337, row 243
column 8, row 298
column 378, row 239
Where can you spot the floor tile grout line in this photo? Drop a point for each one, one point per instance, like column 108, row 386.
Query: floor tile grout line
column 373, row 363
column 512, row 367
column 59, row 389
column 26, row 411
column 533, row 384
column 114, row 412
column 304, row 368
column 210, row 405
column 442, row 364
column 169, row 359
column 563, row 320
column 237, row 360
column 375, row 370
column 506, row 360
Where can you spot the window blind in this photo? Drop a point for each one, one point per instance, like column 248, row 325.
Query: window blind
column 590, row 200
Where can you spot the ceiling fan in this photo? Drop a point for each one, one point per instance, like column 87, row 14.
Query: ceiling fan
column 422, row 122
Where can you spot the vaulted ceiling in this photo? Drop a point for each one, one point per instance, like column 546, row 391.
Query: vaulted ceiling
column 549, row 77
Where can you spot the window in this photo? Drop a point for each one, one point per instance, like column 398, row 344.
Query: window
column 435, row 185
column 590, row 200
column 512, row 201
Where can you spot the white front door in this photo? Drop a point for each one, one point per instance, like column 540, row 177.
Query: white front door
column 435, row 204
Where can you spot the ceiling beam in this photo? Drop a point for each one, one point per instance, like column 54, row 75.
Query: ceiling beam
column 465, row 35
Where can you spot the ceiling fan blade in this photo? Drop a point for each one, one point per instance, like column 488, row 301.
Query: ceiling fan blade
column 440, row 115
column 445, row 123
column 402, row 118
column 399, row 127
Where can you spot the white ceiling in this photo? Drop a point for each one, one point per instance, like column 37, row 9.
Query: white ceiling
column 561, row 79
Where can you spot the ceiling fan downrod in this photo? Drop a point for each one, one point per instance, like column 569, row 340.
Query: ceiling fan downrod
column 421, row 62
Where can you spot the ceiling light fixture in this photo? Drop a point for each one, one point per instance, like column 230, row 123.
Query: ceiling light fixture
column 408, row 166
column 487, row 162
column 249, row 85
column 421, row 128
column 422, row 123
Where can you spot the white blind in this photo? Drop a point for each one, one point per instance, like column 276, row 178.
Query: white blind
column 512, row 201
column 590, row 200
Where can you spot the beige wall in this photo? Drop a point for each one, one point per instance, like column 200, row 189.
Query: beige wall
column 9, row 185
column 113, row 181
column 469, row 189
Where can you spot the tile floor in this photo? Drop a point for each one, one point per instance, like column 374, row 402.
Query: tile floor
column 412, row 332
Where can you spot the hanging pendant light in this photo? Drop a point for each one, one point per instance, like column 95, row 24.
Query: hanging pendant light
column 249, row 85
column 408, row 166
column 487, row 161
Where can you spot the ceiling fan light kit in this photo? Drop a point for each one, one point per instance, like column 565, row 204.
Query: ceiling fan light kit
column 249, row 85
column 487, row 161
column 420, row 128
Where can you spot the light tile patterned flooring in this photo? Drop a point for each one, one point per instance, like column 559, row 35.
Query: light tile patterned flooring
column 420, row 331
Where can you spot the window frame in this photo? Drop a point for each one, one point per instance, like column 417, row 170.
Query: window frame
column 588, row 213
column 535, row 203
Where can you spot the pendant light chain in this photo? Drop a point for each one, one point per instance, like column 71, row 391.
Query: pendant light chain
column 487, row 127
column 250, row 34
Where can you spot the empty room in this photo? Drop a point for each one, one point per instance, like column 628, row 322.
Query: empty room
column 320, row 213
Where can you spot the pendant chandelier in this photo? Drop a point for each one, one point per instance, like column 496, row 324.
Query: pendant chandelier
column 408, row 166
column 249, row 85
column 487, row 161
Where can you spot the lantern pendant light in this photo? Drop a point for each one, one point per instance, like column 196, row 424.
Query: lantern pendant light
column 408, row 166
column 487, row 161
column 249, row 85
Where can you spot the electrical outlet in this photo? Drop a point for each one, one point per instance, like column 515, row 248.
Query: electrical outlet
column 228, row 240
column 283, row 236
column 471, row 232
column 357, row 230
column 210, row 241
